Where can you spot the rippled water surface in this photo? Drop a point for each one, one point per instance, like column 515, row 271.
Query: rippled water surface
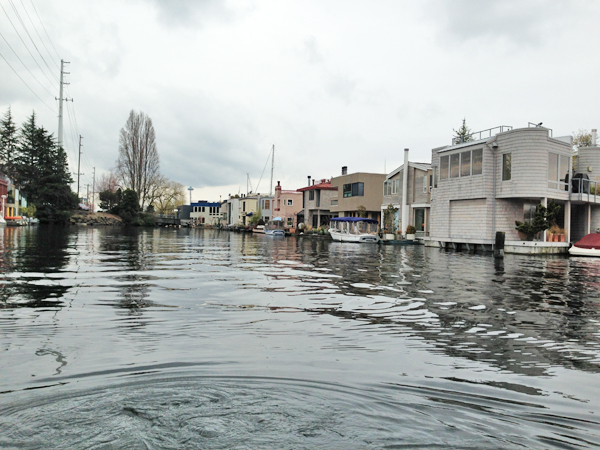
column 160, row 338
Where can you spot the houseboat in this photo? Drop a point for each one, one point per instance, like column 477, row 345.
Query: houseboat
column 353, row 229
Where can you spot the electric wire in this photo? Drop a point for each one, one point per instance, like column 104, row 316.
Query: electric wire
column 38, row 34
column 30, row 38
column 25, row 45
column 45, row 31
column 27, row 68
column 24, row 82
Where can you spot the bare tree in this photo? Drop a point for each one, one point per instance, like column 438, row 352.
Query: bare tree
column 582, row 138
column 138, row 162
column 107, row 182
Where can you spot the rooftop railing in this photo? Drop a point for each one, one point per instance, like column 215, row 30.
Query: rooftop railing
column 478, row 135
column 539, row 125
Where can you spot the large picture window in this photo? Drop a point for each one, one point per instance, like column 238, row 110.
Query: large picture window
column 464, row 164
column 558, row 170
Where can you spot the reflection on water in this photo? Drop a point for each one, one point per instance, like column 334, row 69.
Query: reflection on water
column 392, row 336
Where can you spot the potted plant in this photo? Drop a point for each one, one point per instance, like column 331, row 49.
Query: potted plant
column 411, row 232
column 543, row 219
column 388, row 222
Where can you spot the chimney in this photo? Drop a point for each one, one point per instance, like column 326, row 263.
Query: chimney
column 344, row 170
column 278, row 187
column 313, row 182
column 405, row 193
column 309, row 180
column 594, row 136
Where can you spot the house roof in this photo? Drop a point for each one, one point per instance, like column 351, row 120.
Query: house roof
column 464, row 144
column 325, row 186
column 217, row 204
column 421, row 166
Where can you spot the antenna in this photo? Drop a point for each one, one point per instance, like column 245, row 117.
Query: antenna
column 272, row 165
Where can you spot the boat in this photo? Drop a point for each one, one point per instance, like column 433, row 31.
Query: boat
column 589, row 245
column 275, row 227
column 260, row 229
column 353, row 229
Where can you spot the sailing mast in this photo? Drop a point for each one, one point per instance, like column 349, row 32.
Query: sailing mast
column 272, row 165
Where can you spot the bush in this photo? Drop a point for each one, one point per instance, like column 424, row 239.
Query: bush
column 410, row 230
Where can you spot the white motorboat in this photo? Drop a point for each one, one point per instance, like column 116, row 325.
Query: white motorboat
column 589, row 245
column 353, row 229
column 275, row 227
column 259, row 229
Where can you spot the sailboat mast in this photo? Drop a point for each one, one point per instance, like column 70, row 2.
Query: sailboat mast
column 272, row 165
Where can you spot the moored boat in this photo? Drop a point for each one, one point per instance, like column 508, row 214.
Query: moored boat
column 589, row 245
column 353, row 229
column 260, row 229
column 275, row 227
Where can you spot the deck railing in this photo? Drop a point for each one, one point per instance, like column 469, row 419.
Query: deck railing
column 585, row 189
column 478, row 135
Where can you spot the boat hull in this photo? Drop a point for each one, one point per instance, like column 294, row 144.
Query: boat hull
column 577, row 251
column 275, row 233
column 347, row 237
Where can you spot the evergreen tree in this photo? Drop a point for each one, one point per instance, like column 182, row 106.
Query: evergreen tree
column 42, row 173
column 463, row 134
column 8, row 142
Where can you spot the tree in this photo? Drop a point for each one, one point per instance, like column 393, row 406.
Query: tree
column 543, row 219
column 361, row 211
column 41, row 171
column 108, row 182
column 138, row 162
column 8, row 142
column 167, row 195
column 463, row 134
column 389, row 214
column 582, row 138
column 128, row 207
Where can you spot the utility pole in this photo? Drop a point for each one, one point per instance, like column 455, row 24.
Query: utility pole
column 272, row 165
column 88, row 194
column 79, row 167
column 60, row 102
column 94, row 190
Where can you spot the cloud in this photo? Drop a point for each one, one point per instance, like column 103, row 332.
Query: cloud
column 310, row 51
column 518, row 23
column 190, row 13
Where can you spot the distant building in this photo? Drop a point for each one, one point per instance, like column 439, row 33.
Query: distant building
column 288, row 204
column 355, row 190
column 316, row 203
column 205, row 213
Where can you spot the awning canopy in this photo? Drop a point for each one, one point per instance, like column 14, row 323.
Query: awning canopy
column 352, row 219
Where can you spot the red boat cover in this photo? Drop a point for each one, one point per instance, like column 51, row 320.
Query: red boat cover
column 592, row 240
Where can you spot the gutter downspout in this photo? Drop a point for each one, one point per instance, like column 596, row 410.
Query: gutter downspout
column 405, row 194
column 494, row 157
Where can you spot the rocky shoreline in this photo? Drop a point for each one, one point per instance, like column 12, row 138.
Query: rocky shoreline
column 95, row 219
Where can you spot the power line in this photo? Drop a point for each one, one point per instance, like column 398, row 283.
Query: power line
column 30, row 72
column 50, row 40
column 24, row 82
column 30, row 38
column 26, row 48
column 38, row 34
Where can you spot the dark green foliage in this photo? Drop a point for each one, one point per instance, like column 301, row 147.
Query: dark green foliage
column 8, row 142
column 109, row 199
column 463, row 134
column 543, row 219
column 128, row 207
column 38, row 166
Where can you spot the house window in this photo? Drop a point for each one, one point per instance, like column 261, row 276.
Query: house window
column 354, row 190
column 395, row 185
column 454, row 165
column 290, row 202
column 477, row 158
column 243, row 206
column 311, row 195
column 334, row 202
column 347, row 190
column 529, row 212
column 506, row 166
column 558, row 170
column 465, row 164
column 266, row 204
column 290, row 222
column 444, row 165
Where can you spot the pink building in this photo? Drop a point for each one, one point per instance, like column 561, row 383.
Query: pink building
column 287, row 205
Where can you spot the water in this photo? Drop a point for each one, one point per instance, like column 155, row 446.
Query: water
column 153, row 339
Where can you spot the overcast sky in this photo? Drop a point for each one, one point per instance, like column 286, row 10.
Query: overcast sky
column 329, row 83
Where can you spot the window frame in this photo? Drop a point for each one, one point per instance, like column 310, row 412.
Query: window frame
column 506, row 174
